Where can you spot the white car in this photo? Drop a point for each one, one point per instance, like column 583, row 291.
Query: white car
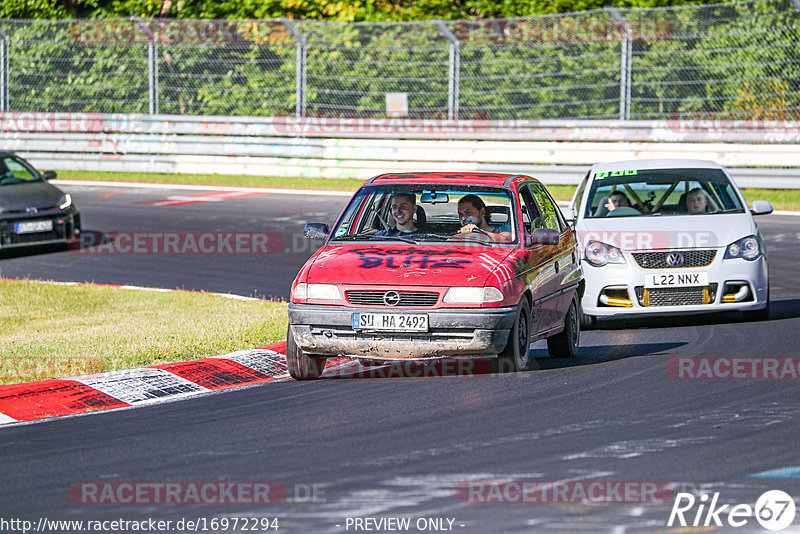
column 668, row 237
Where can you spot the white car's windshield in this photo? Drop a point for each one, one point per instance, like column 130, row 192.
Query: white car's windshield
column 637, row 193
column 429, row 214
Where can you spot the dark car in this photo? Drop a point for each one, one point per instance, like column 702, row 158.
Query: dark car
column 33, row 211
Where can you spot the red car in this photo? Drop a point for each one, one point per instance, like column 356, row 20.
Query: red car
column 438, row 265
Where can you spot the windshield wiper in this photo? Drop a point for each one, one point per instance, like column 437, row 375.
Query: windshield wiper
column 433, row 236
column 359, row 237
column 729, row 210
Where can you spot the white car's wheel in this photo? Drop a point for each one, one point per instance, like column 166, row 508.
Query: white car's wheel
column 588, row 322
column 301, row 366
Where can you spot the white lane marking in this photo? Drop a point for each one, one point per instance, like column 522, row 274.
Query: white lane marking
column 466, row 447
column 4, row 419
column 142, row 384
column 176, row 187
column 634, row 448
column 156, row 289
column 265, row 361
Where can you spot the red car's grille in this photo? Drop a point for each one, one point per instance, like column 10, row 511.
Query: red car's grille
column 406, row 298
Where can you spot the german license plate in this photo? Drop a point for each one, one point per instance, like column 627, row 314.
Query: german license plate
column 400, row 322
column 654, row 281
column 33, row 226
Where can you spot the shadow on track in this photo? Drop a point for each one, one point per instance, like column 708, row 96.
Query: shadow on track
column 484, row 367
column 779, row 309
column 600, row 354
column 88, row 239
column 31, row 250
column 784, row 309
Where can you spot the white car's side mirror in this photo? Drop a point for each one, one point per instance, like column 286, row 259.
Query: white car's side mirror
column 761, row 207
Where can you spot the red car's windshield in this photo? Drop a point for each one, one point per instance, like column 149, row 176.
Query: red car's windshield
column 427, row 214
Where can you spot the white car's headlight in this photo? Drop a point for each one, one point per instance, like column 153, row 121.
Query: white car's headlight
column 303, row 291
column 472, row 295
column 599, row 254
column 746, row 248
column 65, row 201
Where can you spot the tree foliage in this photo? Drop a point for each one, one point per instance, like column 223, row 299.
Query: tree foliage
column 337, row 10
column 738, row 59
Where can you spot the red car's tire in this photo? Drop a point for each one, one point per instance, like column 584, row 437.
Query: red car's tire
column 300, row 365
column 565, row 343
column 515, row 355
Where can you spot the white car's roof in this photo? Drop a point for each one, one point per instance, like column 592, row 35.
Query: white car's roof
column 646, row 164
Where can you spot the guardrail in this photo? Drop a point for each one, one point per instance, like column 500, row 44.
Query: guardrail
column 558, row 152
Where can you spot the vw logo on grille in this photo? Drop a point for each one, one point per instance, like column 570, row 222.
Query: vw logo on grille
column 675, row 259
column 391, row 298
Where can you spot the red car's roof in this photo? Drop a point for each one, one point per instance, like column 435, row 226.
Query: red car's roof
column 476, row 178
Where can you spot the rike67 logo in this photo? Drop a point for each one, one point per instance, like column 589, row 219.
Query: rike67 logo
column 774, row 510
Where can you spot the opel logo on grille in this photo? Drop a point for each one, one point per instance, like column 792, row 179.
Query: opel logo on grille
column 675, row 259
column 391, row 298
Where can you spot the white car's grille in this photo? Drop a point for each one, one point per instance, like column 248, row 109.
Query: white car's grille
column 676, row 296
column 407, row 298
column 658, row 260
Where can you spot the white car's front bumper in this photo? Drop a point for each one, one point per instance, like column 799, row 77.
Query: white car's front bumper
column 632, row 298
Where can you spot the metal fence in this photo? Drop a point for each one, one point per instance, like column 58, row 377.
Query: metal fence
column 739, row 60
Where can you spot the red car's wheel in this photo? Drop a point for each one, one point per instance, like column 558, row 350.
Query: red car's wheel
column 301, row 366
column 565, row 343
column 515, row 354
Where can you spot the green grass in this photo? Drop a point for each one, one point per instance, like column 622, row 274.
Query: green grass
column 781, row 199
column 51, row 331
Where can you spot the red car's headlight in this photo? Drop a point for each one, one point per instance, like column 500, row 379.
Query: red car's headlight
column 472, row 295
column 303, row 291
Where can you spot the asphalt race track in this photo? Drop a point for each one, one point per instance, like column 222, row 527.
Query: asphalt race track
column 390, row 446
column 107, row 213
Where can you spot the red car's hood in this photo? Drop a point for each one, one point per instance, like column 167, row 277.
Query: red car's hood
column 438, row 265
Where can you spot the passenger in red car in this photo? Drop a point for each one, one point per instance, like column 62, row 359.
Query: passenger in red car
column 472, row 214
column 403, row 207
